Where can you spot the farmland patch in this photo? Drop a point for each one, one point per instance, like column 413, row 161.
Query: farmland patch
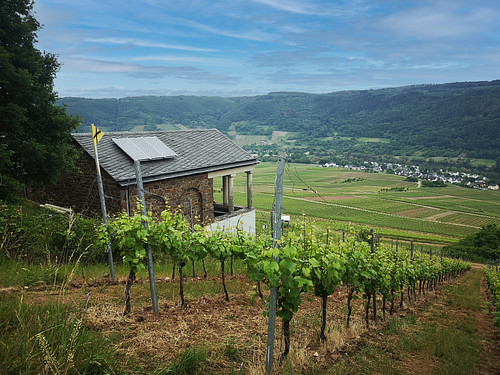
column 421, row 212
column 334, row 197
column 432, row 197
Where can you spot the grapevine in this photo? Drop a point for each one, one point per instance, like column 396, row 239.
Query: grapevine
column 301, row 263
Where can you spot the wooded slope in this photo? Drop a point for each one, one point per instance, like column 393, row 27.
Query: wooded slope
column 455, row 119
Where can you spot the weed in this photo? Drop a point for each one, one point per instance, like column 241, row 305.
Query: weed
column 40, row 338
column 231, row 350
column 392, row 326
column 189, row 362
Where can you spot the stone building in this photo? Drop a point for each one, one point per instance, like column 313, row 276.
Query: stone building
column 182, row 177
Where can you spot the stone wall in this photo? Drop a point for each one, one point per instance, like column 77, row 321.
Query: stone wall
column 80, row 192
column 177, row 193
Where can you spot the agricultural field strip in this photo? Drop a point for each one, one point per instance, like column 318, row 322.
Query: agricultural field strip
column 386, row 230
column 264, row 201
column 376, row 212
column 447, row 210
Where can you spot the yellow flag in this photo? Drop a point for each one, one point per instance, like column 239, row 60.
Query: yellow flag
column 96, row 134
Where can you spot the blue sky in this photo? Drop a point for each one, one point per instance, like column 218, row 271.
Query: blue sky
column 118, row 48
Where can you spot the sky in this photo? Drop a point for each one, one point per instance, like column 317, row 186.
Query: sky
column 120, row 48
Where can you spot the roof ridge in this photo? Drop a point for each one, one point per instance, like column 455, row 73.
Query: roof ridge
column 151, row 132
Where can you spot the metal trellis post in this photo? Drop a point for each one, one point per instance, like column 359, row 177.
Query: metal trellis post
column 273, row 297
column 140, row 192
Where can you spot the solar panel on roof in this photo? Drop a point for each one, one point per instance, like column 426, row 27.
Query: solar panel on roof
column 145, row 148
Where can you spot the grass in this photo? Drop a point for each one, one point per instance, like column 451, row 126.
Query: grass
column 13, row 273
column 189, row 362
column 49, row 336
column 412, row 214
column 440, row 336
column 452, row 338
column 438, row 340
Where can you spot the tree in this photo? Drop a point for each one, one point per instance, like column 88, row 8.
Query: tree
column 35, row 134
column 481, row 246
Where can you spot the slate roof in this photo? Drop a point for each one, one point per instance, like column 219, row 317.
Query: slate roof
column 198, row 151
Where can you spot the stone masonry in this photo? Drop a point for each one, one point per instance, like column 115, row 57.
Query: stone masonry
column 80, row 192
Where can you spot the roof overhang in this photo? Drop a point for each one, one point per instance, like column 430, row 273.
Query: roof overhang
column 215, row 171
column 231, row 171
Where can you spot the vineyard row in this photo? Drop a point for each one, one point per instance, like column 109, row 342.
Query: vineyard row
column 300, row 262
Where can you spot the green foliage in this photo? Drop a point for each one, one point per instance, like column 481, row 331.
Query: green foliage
column 131, row 237
column 493, row 280
column 172, row 236
column 292, row 275
column 481, row 246
column 41, row 339
column 425, row 120
column 35, row 137
column 31, row 234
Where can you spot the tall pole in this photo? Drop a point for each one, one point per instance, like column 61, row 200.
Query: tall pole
column 140, row 192
column 192, row 230
column 103, row 210
column 372, row 245
column 273, row 297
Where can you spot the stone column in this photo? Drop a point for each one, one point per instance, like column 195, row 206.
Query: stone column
column 230, row 193
column 249, row 189
column 225, row 188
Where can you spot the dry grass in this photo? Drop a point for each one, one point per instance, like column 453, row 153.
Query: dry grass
column 232, row 332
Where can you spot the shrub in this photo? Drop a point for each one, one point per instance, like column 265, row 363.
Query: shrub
column 33, row 234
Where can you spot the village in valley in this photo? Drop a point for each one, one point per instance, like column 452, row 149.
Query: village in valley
column 413, row 172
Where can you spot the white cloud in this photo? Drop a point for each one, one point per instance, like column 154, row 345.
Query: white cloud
column 101, row 66
column 439, row 20
column 330, row 8
column 254, row 35
column 218, row 62
column 142, row 43
column 291, row 6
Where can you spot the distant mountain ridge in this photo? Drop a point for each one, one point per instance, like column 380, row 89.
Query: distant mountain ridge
column 454, row 119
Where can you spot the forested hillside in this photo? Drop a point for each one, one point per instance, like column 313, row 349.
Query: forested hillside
column 450, row 120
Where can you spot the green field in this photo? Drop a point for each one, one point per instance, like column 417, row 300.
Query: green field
column 337, row 198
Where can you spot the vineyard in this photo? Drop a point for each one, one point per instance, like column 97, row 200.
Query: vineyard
column 432, row 215
column 349, row 300
column 334, row 289
column 297, row 264
column 493, row 280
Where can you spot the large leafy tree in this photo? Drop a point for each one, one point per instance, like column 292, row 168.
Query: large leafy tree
column 35, row 134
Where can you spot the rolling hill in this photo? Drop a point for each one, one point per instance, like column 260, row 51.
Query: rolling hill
column 455, row 120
